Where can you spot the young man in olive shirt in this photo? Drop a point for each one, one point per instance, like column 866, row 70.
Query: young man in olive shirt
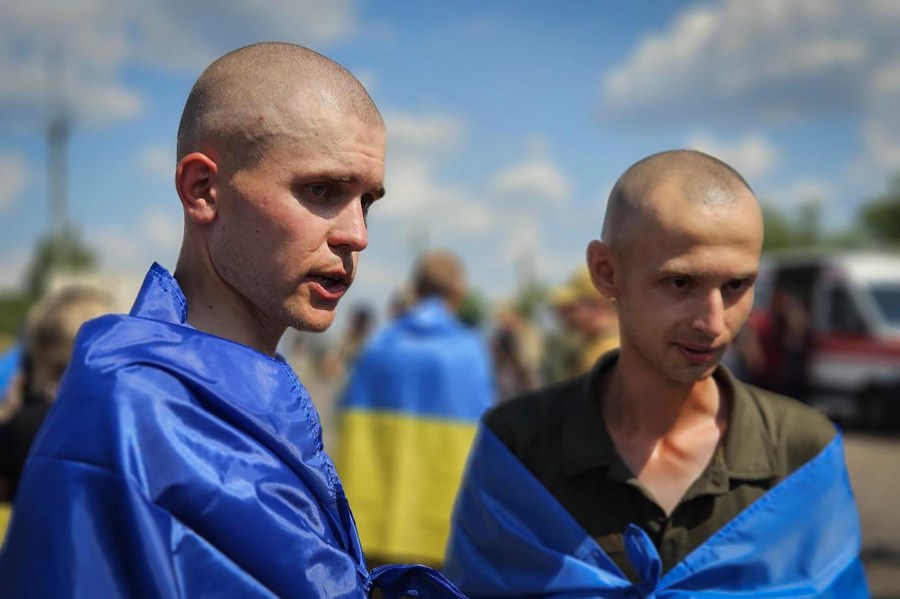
column 659, row 434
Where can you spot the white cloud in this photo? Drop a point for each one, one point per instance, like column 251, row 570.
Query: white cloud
column 13, row 177
column 881, row 127
column 12, row 275
column 162, row 230
column 418, row 144
column 189, row 34
column 798, row 192
column 69, row 55
column 431, row 134
column 738, row 62
column 534, row 179
column 753, row 155
column 514, row 218
column 749, row 65
column 117, row 247
column 154, row 236
column 57, row 55
column 158, row 162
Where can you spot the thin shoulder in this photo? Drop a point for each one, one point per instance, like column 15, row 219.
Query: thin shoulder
column 798, row 431
column 523, row 420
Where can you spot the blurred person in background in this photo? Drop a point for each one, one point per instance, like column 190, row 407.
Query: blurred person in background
column 340, row 359
column 399, row 303
column 516, row 347
column 658, row 472
column 589, row 321
column 182, row 456
column 785, row 336
column 409, row 415
column 48, row 338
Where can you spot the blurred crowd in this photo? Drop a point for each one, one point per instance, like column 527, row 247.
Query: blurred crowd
column 523, row 345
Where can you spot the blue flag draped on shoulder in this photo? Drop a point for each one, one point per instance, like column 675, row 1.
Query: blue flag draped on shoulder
column 512, row 538
column 178, row 464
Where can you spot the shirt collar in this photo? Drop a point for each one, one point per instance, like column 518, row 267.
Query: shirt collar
column 748, row 451
column 586, row 443
column 161, row 298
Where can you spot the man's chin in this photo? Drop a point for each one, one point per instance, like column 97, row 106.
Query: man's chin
column 317, row 322
column 702, row 373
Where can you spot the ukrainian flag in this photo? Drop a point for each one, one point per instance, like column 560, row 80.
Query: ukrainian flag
column 409, row 417
column 512, row 538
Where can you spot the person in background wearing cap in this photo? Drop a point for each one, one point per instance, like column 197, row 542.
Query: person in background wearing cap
column 409, row 415
column 589, row 318
column 658, row 473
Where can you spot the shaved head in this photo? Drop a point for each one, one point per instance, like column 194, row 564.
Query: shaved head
column 692, row 176
column 255, row 94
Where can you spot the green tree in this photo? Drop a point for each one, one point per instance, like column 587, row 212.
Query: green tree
column 778, row 230
column 808, row 225
column 13, row 308
column 880, row 217
column 57, row 252
column 473, row 309
column 529, row 299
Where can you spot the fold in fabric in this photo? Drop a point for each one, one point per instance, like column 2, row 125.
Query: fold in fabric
column 179, row 464
column 512, row 538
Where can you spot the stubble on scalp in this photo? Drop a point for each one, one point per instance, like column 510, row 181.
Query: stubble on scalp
column 697, row 178
column 256, row 94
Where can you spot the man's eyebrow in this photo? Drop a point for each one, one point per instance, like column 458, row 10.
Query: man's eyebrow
column 677, row 272
column 377, row 192
column 692, row 274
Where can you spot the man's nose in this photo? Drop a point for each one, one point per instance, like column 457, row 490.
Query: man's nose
column 349, row 227
column 710, row 316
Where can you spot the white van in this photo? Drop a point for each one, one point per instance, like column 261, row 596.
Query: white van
column 853, row 304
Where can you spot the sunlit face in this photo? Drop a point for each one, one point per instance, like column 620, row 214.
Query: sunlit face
column 685, row 285
column 289, row 230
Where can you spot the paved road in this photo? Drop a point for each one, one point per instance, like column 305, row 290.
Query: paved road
column 874, row 464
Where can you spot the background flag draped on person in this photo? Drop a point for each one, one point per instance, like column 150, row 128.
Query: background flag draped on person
column 409, row 416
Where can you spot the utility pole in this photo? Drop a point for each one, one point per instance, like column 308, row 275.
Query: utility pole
column 58, row 173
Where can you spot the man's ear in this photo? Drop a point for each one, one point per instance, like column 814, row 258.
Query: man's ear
column 602, row 268
column 194, row 183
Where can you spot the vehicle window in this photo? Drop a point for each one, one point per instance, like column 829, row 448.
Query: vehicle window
column 843, row 315
column 887, row 297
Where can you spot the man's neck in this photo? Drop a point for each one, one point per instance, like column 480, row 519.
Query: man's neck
column 214, row 307
column 637, row 399
column 665, row 432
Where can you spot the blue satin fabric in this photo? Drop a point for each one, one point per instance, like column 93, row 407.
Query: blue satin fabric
column 178, row 464
column 446, row 370
column 511, row 538
column 10, row 363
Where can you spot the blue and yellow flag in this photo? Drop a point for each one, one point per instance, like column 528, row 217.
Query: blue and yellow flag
column 408, row 419
column 512, row 538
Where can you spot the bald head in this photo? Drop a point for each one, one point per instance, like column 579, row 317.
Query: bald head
column 689, row 175
column 255, row 94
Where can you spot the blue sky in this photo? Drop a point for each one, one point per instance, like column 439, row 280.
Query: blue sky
column 508, row 122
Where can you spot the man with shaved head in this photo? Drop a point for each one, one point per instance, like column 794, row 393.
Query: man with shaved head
column 183, row 457
column 658, row 473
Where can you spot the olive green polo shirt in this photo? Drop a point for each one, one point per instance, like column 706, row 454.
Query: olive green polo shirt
column 559, row 434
